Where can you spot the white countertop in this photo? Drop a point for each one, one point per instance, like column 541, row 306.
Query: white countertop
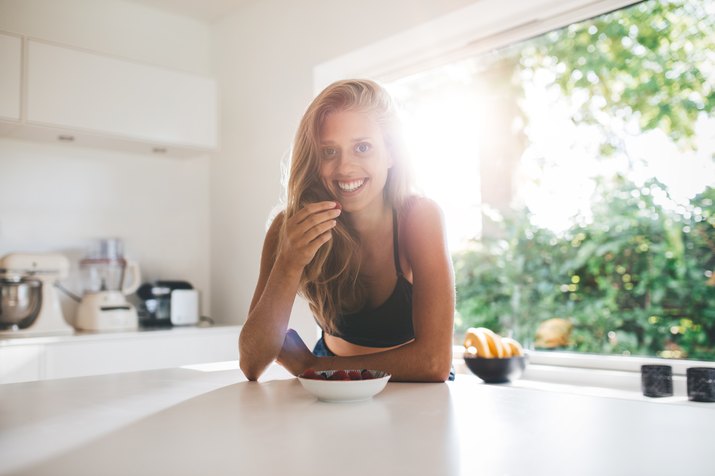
column 207, row 420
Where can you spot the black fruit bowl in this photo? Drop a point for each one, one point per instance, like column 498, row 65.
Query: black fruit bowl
column 496, row 370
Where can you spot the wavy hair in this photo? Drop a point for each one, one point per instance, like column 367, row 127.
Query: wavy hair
column 331, row 281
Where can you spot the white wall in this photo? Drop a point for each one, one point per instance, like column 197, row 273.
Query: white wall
column 59, row 197
column 264, row 58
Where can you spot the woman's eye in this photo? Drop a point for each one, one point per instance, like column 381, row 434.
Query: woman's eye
column 330, row 152
column 362, row 147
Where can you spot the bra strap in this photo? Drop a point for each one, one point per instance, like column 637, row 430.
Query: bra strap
column 395, row 249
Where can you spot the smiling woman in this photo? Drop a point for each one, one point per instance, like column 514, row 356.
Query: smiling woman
column 369, row 256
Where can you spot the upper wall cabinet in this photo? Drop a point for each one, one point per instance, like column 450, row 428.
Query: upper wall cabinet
column 10, row 76
column 104, row 101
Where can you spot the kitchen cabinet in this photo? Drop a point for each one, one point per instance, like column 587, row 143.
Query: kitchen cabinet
column 10, row 76
column 104, row 101
column 20, row 363
column 39, row 358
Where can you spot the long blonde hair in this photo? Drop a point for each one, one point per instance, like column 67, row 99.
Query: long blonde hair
column 331, row 281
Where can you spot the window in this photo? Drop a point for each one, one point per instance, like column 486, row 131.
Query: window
column 577, row 173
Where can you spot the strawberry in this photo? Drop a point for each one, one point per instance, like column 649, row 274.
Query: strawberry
column 339, row 375
column 366, row 374
column 311, row 374
column 355, row 375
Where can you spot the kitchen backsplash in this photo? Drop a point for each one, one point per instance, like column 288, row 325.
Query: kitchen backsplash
column 60, row 198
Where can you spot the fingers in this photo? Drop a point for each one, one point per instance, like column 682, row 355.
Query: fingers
column 320, row 229
column 316, row 209
column 313, row 221
column 320, row 206
column 308, row 230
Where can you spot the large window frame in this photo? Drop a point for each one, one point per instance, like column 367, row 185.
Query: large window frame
column 478, row 28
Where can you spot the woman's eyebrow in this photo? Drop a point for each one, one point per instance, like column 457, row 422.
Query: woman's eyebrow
column 356, row 139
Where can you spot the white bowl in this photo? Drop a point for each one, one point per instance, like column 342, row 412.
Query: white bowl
column 345, row 390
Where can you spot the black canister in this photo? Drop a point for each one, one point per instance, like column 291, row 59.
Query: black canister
column 701, row 384
column 657, row 380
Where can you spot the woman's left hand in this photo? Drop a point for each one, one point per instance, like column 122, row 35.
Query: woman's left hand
column 295, row 355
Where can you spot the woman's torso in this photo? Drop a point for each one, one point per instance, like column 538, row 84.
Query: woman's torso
column 386, row 320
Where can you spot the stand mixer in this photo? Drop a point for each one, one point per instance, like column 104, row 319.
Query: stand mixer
column 104, row 306
column 30, row 304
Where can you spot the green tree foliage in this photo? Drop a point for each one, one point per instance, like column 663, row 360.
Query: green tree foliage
column 652, row 62
column 636, row 280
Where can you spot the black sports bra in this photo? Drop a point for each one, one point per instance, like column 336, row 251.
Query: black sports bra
column 390, row 323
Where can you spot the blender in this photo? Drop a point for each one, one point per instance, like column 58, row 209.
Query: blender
column 107, row 279
column 29, row 303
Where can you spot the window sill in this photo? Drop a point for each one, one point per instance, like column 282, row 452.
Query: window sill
column 596, row 375
column 610, row 362
column 601, row 362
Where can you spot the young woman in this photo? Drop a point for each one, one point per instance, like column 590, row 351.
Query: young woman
column 370, row 258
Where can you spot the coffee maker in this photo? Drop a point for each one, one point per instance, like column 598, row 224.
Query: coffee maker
column 167, row 303
column 107, row 279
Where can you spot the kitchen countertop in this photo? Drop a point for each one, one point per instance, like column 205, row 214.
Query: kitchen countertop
column 207, row 419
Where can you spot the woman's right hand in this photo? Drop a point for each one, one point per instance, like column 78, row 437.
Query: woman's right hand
column 306, row 231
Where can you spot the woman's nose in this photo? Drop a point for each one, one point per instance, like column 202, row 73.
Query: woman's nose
column 345, row 163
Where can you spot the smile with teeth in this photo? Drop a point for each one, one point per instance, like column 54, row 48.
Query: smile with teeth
column 352, row 185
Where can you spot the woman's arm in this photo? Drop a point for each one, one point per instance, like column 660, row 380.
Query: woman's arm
column 429, row 357
column 282, row 263
column 433, row 294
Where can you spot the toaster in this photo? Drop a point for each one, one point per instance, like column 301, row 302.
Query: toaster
column 184, row 307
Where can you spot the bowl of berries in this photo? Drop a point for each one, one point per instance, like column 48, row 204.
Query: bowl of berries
column 344, row 385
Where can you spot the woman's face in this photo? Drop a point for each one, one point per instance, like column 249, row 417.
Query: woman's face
column 354, row 159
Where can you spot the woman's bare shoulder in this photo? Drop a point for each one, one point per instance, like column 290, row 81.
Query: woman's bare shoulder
column 419, row 212
column 422, row 228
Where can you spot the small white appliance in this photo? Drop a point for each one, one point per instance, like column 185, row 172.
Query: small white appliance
column 108, row 278
column 184, row 307
column 30, row 302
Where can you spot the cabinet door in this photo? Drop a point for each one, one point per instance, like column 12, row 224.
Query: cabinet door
column 85, row 91
column 22, row 363
column 145, row 351
column 10, row 76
